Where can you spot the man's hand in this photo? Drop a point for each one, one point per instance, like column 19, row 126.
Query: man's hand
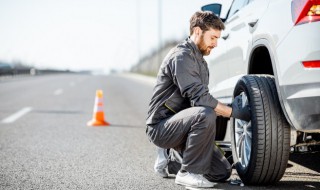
column 223, row 110
column 240, row 112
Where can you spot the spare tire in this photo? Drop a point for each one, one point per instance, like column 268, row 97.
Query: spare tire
column 260, row 147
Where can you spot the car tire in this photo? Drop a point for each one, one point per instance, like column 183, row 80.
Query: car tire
column 260, row 147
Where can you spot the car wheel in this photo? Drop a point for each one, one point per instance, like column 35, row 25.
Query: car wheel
column 260, row 147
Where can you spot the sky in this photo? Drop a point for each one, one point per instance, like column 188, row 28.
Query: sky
column 90, row 34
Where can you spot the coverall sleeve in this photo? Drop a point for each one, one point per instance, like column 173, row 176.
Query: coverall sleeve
column 186, row 75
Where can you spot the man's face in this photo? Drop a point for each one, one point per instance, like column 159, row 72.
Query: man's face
column 208, row 40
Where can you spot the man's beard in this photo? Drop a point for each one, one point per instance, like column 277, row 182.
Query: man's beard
column 205, row 50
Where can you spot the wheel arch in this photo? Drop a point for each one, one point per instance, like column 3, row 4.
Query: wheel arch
column 263, row 51
column 260, row 61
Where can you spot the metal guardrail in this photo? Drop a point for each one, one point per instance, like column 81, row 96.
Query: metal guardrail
column 29, row 72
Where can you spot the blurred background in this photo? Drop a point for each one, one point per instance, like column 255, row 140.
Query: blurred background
column 96, row 36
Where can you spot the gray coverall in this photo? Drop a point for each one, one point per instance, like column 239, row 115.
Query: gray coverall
column 181, row 112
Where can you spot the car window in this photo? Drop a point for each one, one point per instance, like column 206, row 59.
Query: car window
column 236, row 6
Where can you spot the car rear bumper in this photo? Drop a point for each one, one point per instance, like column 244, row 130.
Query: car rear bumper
column 302, row 104
column 300, row 86
column 301, row 44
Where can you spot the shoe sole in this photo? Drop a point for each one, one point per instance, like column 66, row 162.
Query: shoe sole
column 192, row 186
column 195, row 188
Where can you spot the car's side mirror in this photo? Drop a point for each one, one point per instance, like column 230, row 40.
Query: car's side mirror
column 215, row 8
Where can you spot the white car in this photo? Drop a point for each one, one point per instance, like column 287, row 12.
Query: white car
column 269, row 54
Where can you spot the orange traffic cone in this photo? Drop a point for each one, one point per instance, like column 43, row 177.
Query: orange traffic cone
column 98, row 115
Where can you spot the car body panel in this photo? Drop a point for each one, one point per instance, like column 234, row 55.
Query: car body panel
column 287, row 44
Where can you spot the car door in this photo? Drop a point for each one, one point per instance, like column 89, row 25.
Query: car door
column 240, row 25
column 237, row 39
column 229, row 51
column 218, row 68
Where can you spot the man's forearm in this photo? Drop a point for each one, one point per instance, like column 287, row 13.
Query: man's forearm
column 223, row 110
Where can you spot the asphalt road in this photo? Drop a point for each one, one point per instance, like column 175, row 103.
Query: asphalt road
column 45, row 143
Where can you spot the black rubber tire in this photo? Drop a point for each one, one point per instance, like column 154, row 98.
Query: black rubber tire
column 270, row 146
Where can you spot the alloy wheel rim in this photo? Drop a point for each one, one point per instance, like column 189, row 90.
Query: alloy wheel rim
column 243, row 136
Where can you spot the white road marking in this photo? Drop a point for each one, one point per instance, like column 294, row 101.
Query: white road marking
column 12, row 118
column 58, row 92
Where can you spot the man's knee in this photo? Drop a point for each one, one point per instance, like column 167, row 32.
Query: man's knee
column 227, row 174
column 208, row 116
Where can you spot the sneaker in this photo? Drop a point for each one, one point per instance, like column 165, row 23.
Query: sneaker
column 192, row 180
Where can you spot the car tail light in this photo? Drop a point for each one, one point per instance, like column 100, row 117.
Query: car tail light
column 305, row 11
column 311, row 64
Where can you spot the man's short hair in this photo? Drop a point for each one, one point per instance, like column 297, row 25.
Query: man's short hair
column 205, row 20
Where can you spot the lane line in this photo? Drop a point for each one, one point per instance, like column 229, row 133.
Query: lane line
column 12, row 118
column 58, row 92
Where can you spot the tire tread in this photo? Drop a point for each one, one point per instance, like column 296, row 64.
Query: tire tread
column 270, row 133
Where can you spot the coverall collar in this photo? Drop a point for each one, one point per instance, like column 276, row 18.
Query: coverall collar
column 195, row 48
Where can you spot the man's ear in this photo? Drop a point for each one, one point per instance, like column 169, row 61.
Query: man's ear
column 197, row 30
